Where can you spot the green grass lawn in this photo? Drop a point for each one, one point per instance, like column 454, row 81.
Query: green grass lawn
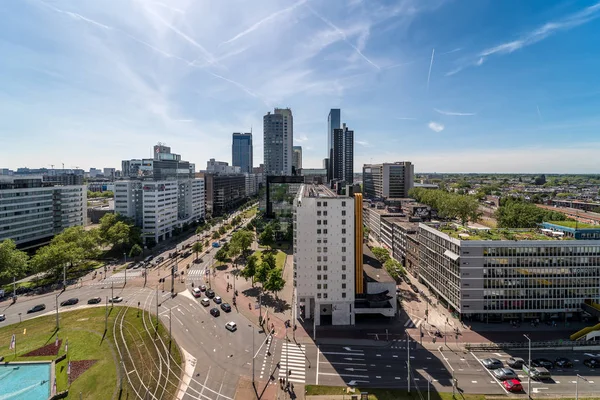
column 250, row 212
column 279, row 257
column 84, row 329
column 574, row 224
column 386, row 394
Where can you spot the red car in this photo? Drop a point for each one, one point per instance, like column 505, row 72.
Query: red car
column 513, row 385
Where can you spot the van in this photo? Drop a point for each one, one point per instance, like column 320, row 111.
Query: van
column 538, row 373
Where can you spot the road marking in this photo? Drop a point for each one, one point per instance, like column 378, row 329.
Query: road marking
column 342, row 354
column 473, row 381
column 489, row 372
column 347, row 375
column 378, row 377
column 395, row 356
column 537, row 390
column 378, row 355
column 396, row 377
column 341, row 363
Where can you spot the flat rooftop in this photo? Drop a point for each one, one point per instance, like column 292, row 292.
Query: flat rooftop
column 462, row 233
column 373, row 270
column 318, row 191
column 573, row 224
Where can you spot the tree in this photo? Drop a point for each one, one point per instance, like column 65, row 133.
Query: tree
column 243, row 239
column 514, row 213
column 221, row 255
column 250, row 270
column 216, row 235
column 200, row 229
column 275, row 282
column 13, row 262
column 269, row 259
column 135, row 251
column 262, row 273
column 540, row 180
column 394, row 268
column 381, row 254
column 197, row 248
column 267, row 237
column 222, row 230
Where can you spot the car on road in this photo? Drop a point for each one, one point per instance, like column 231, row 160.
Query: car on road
column 94, row 300
column 160, row 259
column 226, row 307
column 542, row 362
column 69, row 302
column 210, row 293
column 515, row 362
column 216, row 244
column 231, row 326
column 36, row 308
column 513, row 385
column 218, row 300
column 538, row 373
column 591, row 362
column 139, row 265
column 131, row 265
column 492, row 363
column 203, row 288
column 414, row 288
column 148, row 259
column 116, row 299
column 563, row 362
column 196, row 292
column 215, row 312
column 2, row 317
column 503, row 374
column 205, row 302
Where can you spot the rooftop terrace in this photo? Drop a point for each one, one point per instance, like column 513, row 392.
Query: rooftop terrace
column 574, row 224
column 463, row 233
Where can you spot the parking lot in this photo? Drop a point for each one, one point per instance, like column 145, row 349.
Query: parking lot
column 473, row 377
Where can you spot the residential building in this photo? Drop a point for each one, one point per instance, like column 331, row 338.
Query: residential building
column 110, row 173
column 342, row 160
column 334, row 121
column 501, row 275
column 278, row 131
column 94, row 172
column 160, row 195
column 253, row 182
column 241, row 152
column 336, row 278
column 297, row 158
column 64, row 179
column 224, row 192
column 221, row 167
column 388, row 180
column 32, row 211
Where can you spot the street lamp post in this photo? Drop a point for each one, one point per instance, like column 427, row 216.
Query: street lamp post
column 57, row 325
column 408, row 360
column 445, row 331
column 577, row 387
column 529, row 369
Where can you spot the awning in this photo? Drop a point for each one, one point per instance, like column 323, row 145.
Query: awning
column 451, row 255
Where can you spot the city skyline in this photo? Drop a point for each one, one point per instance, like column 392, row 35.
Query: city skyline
column 450, row 86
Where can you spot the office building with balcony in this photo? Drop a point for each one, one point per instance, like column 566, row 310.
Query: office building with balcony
column 32, row 211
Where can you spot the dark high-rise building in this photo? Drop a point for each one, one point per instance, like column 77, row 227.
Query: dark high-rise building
column 342, row 160
column 334, row 121
column 241, row 152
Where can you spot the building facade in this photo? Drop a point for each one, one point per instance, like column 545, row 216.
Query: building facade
column 33, row 211
column 297, row 158
column 241, row 152
column 334, row 121
column 278, row 131
column 342, row 160
column 499, row 280
column 221, row 167
column 224, row 192
column 388, row 180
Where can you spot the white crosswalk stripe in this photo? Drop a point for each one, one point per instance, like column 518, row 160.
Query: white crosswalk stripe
column 412, row 324
column 196, row 272
column 293, row 358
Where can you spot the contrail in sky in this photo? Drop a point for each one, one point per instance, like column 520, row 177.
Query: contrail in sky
column 430, row 66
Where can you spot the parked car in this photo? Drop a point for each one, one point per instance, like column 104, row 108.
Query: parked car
column 139, row 265
column 205, row 302
column 414, row 288
column 503, row 374
column 203, row 287
column 492, row 363
column 131, row 265
column 160, row 259
column 36, row 308
column 94, row 300
column 515, row 362
column 218, row 300
column 231, row 326
column 196, row 292
column 537, row 373
column 591, row 362
column 226, row 307
column 69, row 302
column 116, row 299
column 210, row 293
column 2, row 317
column 216, row 244
column 513, row 385
column 215, row 312
column 563, row 362
column 148, row 259
column 542, row 362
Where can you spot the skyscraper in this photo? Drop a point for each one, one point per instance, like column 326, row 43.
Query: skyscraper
column 342, row 155
column 388, row 180
column 297, row 158
column 278, row 131
column 241, row 151
column 333, row 122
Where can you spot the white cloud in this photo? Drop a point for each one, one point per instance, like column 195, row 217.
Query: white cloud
column 453, row 113
column 363, row 143
column 300, row 138
column 436, row 126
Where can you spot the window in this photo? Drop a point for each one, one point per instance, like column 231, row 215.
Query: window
column 318, row 204
column 324, row 222
column 325, row 213
column 343, row 267
column 343, row 276
column 318, row 231
column 324, row 258
column 325, row 231
column 318, row 295
column 343, row 204
column 324, row 267
column 343, row 258
column 319, row 277
column 324, row 286
column 324, row 295
column 344, row 240
column 344, row 295
column 318, row 258
column 318, row 267
column 343, row 249
column 318, row 222
column 324, row 249
column 318, row 286
column 343, row 231
column 343, row 222
column 343, row 213
column 343, row 286
column 319, row 213
column 324, row 204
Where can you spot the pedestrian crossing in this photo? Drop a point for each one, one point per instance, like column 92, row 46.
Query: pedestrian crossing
column 196, row 273
column 118, row 278
column 293, row 358
column 266, row 364
column 413, row 323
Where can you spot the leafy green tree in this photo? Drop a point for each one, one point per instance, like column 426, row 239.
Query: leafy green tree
column 85, row 241
column 197, row 248
column 249, row 270
column 262, row 273
column 222, row 230
column 514, row 213
column 221, row 256
column 200, row 229
column 267, row 237
column 394, row 268
column 135, row 251
column 381, row 254
column 269, row 259
column 216, row 235
column 243, row 239
column 13, row 262
column 275, row 282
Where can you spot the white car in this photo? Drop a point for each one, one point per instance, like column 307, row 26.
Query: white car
column 205, row 302
column 231, row 326
column 2, row 317
column 196, row 292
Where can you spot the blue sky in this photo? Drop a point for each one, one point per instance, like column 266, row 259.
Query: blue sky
column 454, row 86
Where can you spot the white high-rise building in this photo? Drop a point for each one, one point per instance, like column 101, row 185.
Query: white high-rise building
column 278, row 134
column 324, row 255
column 34, row 210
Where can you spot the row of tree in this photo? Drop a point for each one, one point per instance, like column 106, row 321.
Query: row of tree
column 449, row 205
column 518, row 213
column 392, row 266
column 116, row 235
column 265, row 272
column 107, row 194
